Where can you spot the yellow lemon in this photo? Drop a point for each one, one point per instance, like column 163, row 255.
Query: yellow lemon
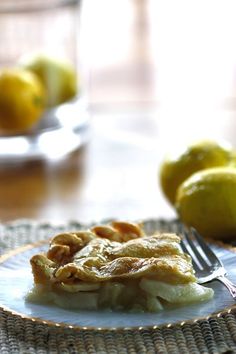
column 207, row 201
column 22, row 100
column 58, row 76
column 199, row 156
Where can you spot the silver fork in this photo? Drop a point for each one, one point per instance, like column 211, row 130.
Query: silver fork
column 206, row 264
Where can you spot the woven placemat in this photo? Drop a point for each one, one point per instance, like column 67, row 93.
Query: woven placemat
column 18, row 335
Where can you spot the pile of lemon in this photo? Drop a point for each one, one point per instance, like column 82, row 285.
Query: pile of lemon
column 37, row 83
column 200, row 182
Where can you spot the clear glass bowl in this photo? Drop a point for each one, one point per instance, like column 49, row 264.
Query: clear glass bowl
column 28, row 27
column 60, row 131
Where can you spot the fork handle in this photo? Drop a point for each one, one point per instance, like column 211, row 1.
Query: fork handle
column 229, row 285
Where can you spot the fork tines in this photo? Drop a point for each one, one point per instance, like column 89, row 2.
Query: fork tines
column 193, row 244
column 206, row 264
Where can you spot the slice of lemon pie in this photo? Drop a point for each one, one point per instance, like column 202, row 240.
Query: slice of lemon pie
column 115, row 267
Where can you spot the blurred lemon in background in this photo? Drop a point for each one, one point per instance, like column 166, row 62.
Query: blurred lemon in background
column 207, row 201
column 199, row 156
column 22, row 100
column 59, row 77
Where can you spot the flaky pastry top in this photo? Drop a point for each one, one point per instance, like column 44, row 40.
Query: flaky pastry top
column 119, row 251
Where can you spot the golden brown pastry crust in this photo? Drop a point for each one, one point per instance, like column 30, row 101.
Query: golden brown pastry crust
column 119, row 251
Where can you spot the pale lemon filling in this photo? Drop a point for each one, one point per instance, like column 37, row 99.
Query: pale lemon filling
column 139, row 295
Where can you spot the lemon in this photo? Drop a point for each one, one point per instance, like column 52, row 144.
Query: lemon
column 207, row 201
column 58, row 77
column 198, row 156
column 22, row 100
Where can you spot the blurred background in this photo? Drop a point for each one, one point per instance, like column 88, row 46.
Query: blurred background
column 155, row 75
column 176, row 57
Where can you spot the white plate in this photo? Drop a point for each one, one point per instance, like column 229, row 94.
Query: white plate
column 16, row 280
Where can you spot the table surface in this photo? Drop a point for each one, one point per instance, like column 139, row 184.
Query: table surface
column 114, row 175
column 151, row 90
